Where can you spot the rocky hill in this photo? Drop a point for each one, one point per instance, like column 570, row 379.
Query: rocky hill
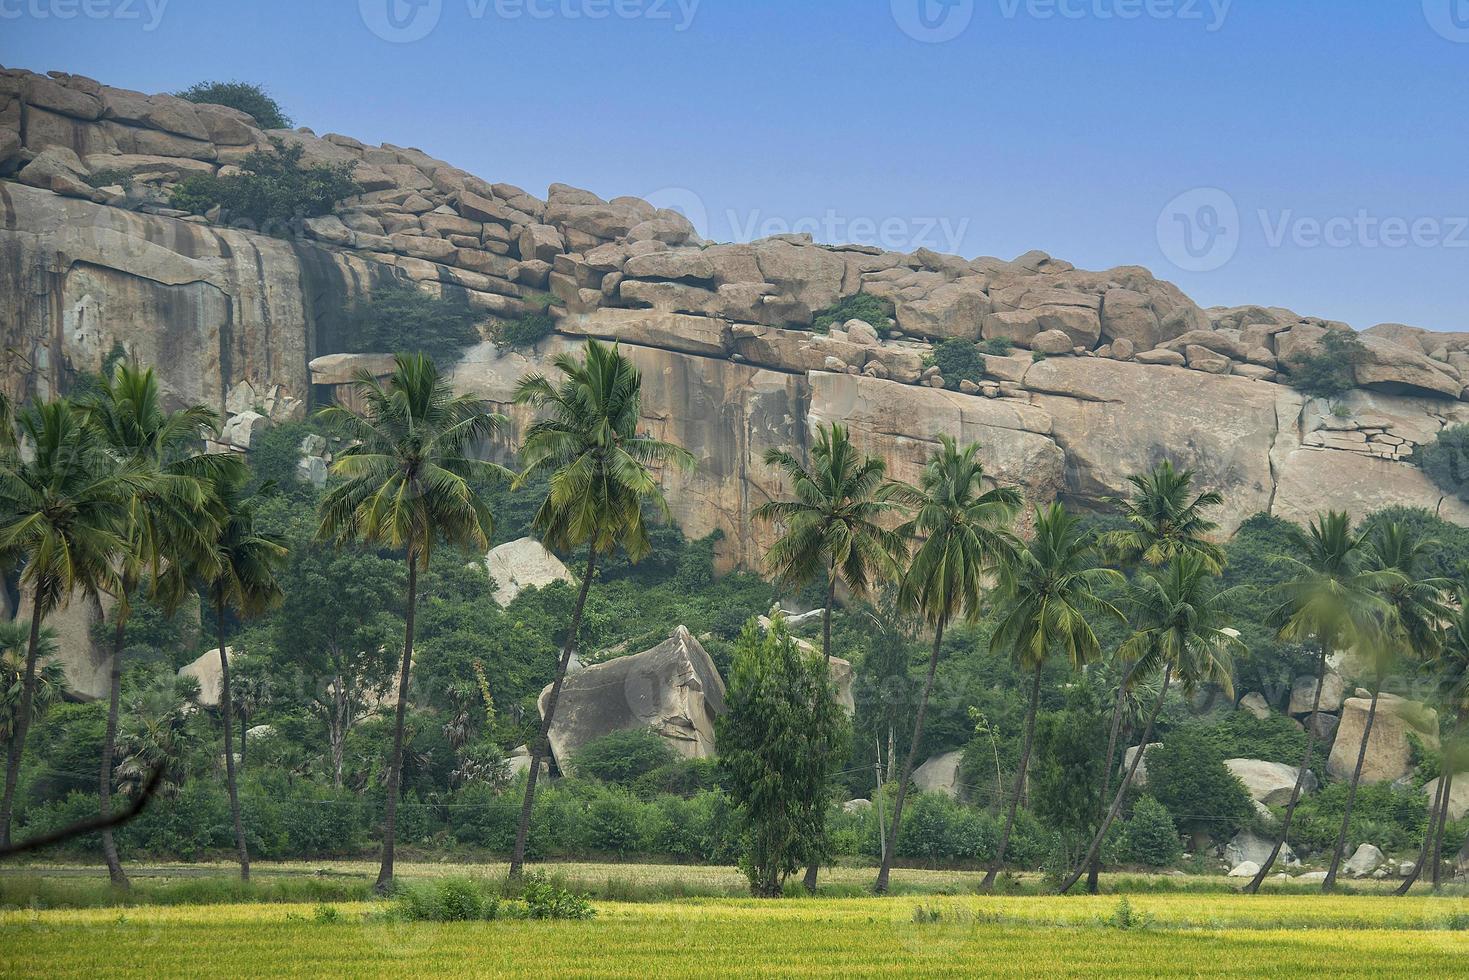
column 1133, row 370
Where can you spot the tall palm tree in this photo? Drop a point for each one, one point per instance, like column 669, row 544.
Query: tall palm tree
column 1331, row 600
column 1180, row 623
column 966, row 540
column 1164, row 521
column 168, row 526
column 240, row 576
column 1411, row 626
column 49, row 683
column 587, row 439
column 831, row 527
column 1052, row 592
column 63, row 512
column 409, row 482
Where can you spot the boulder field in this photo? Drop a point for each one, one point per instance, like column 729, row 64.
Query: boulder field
column 1110, row 371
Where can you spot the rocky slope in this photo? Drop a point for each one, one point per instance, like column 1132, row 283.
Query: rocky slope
column 253, row 324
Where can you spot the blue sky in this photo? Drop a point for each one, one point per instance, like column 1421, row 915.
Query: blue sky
column 1301, row 153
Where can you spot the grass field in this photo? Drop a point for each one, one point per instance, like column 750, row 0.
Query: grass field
column 921, row 932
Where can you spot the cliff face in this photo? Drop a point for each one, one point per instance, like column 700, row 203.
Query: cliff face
column 1134, row 371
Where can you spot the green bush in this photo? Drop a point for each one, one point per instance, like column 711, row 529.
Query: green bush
column 522, row 332
column 1240, row 735
column 1150, row 837
column 683, row 777
column 615, row 823
column 1188, row 776
column 957, row 360
column 546, row 899
column 445, row 900
column 863, row 306
column 1389, row 817
column 249, row 99
column 398, row 317
column 1331, row 370
column 998, row 346
column 622, row 757
column 1446, row 460
column 274, row 192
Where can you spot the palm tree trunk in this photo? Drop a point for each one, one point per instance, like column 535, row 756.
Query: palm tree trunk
column 22, row 720
column 542, row 747
column 1428, row 838
column 1137, row 758
column 1295, row 794
column 229, row 752
column 831, row 593
column 1094, row 870
column 384, row 882
column 890, row 842
column 1346, row 817
column 1443, row 819
column 1035, row 701
column 109, row 749
column 336, row 729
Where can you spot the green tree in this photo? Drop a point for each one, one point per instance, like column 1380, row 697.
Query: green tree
column 1332, row 601
column 249, row 99
column 781, row 716
column 168, row 526
column 1329, row 370
column 587, row 439
column 240, row 575
column 1412, row 615
column 273, row 190
column 1450, row 668
column 1180, row 623
column 63, row 511
column 1150, row 837
column 409, row 481
column 1188, row 776
column 399, row 316
column 832, row 528
column 965, row 540
column 48, row 685
column 1052, row 591
column 1066, row 774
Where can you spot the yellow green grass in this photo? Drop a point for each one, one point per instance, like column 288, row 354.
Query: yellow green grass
column 1173, row 935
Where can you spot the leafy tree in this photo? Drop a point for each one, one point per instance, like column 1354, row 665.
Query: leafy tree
column 588, row 440
column 1066, row 776
column 408, row 483
column 1330, row 600
column 1180, row 620
column 1331, row 370
column 274, row 192
column 781, row 717
column 623, row 757
column 63, row 511
column 49, row 683
column 398, row 316
column 1188, row 776
column 965, row 538
column 1150, row 837
column 240, row 575
column 1052, row 590
column 249, row 99
column 1446, row 460
column 958, row 360
column 523, row 331
column 874, row 311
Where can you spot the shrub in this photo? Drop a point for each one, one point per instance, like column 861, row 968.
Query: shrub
column 399, row 317
column 684, row 777
column 1446, row 460
column 274, row 192
column 1187, row 775
column 1240, row 735
column 445, row 900
column 522, row 332
column 1331, row 370
column 957, row 360
column 863, row 306
column 1389, row 817
column 615, row 823
column 249, row 99
column 1150, row 837
column 546, row 899
column 622, row 757
column 998, row 346
column 107, row 177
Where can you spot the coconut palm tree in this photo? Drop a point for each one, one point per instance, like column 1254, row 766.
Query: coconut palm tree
column 409, row 482
column 1331, row 600
column 965, row 537
column 587, row 439
column 168, row 526
column 63, row 512
column 1180, row 624
column 1411, row 626
column 832, row 528
column 1163, row 521
column 49, row 683
column 240, row 574
column 1052, row 592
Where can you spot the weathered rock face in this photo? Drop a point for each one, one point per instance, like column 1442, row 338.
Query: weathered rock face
column 940, row 774
column 1458, row 794
column 524, row 563
column 1245, row 846
column 1270, row 783
column 206, row 670
column 85, row 663
column 1389, row 752
column 674, row 689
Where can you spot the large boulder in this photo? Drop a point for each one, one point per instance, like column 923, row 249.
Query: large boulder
column 1458, row 795
column 85, row 662
column 1270, row 783
column 1389, row 751
column 673, row 688
column 1245, row 846
column 206, row 670
column 521, row 564
column 1139, row 778
column 1366, row 859
column 940, row 774
column 1303, row 693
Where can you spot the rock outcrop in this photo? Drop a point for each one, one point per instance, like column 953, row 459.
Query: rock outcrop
column 521, row 564
column 940, row 774
column 1389, row 751
column 206, row 670
column 1270, row 783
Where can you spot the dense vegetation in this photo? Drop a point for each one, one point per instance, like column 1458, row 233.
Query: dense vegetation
column 876, row 312
column 1329, row 371
column 273, row 192
column 398, row 315
column 249, row 99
